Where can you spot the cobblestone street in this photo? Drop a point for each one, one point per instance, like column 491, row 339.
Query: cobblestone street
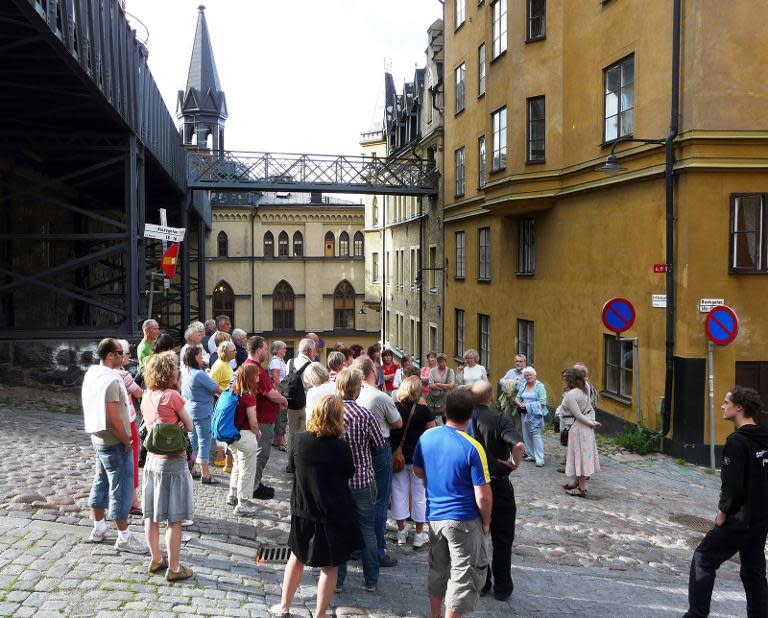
column 622, row 551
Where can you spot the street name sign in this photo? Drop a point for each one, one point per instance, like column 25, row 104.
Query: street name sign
column 618, row 315
column 659, row 300
column 707, row 304
column 163, row 232
column 721, row 325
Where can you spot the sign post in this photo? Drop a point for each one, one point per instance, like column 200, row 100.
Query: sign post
column 169, row 260
column 721, row 326
column 618, row 316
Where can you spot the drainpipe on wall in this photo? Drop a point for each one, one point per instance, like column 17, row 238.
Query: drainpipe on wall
column 670, row 218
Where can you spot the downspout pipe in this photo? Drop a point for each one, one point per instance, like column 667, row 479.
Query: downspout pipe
column 670, row 218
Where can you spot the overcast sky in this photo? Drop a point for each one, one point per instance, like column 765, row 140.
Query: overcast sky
column 299, row 75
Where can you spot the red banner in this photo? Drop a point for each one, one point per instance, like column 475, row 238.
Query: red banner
column 170, row 259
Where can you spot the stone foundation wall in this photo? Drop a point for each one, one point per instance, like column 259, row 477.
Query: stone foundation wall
column 46, row 362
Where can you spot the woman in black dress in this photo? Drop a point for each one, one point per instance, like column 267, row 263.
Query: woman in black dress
column 323, row 529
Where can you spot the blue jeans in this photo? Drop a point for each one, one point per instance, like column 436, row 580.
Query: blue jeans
column 113, row 482
column 382, row 470
column 201, row 438
column 534, row 444
column 364, row 501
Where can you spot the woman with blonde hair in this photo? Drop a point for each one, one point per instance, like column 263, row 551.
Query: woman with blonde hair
column 245, row 451
column 319, row 377
column 323, row 530
column 581, row 460
column 407, row 488
column 221, row 370
column 167, row 485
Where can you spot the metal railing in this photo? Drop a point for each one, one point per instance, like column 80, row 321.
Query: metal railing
column 264, row 171
column 98, row 35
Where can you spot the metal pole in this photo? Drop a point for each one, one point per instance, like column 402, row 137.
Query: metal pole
column 636, row 370
column 710, row 347
column 151, row 295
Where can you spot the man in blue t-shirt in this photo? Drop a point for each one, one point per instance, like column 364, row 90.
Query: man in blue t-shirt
column 455, row 472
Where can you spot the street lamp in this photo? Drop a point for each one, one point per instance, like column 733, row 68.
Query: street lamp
column 611, row 165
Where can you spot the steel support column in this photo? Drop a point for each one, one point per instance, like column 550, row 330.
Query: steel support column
column 185, row 250
column 134, row 186
column 201, row 284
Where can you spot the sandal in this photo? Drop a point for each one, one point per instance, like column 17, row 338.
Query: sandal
column 209, row 480
column 570, row 486
column 136, row 510
column 277, row 610
column 184, row 572
column 156, row 567
column 575, row 491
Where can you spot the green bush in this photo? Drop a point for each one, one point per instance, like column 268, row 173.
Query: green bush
column 638, row 440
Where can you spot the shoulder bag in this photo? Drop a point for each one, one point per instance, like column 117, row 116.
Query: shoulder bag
column 165, row 438
column 398, row 459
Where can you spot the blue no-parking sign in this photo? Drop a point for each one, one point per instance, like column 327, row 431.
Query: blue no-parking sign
column 721, row 325
column 618, row 315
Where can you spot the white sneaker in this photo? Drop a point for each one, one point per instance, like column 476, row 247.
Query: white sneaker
column 132, row 545
column 245, row 510
column 402, row 536
column 96, row 536
column 187, row 522
column 420, row 540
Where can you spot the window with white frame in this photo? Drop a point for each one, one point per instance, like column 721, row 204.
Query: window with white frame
column 460, row 171
column 461, row 72
column 459, row 332
column 481, row 161
column 749, row 233
column 499, row 16
column 619, row 81
column 481, row 70
column 461, row 12
column 484, row 345
column 434, row 344
column 460, row 263
column 484, row 245
column 525, row 333
column 374, row 267
column 499, row 122
column 619, row 363
column 526, row 248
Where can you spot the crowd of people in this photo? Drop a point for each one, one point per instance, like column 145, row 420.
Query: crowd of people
column 365, row 437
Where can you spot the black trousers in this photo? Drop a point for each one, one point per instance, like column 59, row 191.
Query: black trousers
column 720, row 544
column 502, row 535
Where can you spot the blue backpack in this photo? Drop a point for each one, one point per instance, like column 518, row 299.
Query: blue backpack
column 223, row 420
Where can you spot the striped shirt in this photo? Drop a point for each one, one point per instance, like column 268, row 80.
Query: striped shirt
column 363, row 434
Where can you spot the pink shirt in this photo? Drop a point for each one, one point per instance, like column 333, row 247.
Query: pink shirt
column 161, row 407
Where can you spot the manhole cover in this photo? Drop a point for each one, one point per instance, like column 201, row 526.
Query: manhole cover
column 692, row 522
column 273, row 554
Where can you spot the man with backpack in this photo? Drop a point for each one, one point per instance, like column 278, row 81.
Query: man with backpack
column 268, row 403
column 295, row 387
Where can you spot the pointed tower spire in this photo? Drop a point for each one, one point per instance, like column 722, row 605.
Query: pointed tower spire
column 201, row 106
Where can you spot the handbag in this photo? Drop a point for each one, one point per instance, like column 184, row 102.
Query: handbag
column 165, row 439
column 398, row 459
column 564, row 435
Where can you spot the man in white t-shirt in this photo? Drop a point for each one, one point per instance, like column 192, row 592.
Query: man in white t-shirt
column 383, row 408
column 223, row 324
column 297, row 418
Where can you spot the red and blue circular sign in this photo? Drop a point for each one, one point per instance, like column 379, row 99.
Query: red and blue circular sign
column 618, row 315
column 721, row 325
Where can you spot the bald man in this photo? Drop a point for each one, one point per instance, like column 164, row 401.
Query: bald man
column 504, row 450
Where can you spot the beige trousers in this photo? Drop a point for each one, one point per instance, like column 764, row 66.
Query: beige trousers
column 245, row 453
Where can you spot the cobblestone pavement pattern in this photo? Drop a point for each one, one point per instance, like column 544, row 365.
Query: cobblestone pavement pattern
column 615, row 553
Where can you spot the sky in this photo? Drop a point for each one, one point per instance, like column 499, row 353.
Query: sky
column 298, row 75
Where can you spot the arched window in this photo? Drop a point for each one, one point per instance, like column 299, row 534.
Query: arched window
column 330, row 244
column 344, row 244
column 344, row 306
column 282, row 245
column 223, row 244
column 223, row 300
column 358, row 245
column 269, row 245
column 283, row 300
column 298, row 244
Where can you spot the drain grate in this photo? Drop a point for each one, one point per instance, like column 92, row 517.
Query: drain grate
column 273, row 554
column 692, row 522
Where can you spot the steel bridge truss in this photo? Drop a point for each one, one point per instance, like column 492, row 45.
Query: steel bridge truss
column 264, row 171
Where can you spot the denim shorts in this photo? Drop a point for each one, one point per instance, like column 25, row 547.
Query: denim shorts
column 113, row 482
column 201, row 438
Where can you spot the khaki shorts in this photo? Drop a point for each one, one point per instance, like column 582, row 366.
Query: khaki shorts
column 458, row 558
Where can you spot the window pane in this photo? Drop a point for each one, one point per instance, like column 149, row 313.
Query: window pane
column 612, row 79
column 627, row 124
column 628, row 71
column 612, row 379
column 611, row 128
column 611, row 104
column 627, row 97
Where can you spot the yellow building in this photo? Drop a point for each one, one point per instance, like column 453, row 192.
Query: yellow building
column 283, row 264
column 537, row 240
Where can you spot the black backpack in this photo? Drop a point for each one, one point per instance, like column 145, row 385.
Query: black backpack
column 293, row 387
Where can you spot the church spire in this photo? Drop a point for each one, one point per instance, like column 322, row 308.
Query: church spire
column 201, row 106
